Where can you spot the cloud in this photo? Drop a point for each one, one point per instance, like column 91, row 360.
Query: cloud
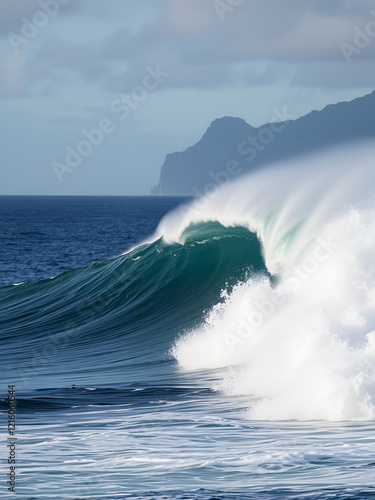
column 290, row 29
column 334, row 75
column 289, row 32
column 189, row 40
column 12, row 12
column 55, row 63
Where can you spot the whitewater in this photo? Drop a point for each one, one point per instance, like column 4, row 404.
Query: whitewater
column 303, row 344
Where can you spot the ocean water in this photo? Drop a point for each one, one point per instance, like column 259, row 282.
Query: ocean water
column 44, row 236
column 215, row 349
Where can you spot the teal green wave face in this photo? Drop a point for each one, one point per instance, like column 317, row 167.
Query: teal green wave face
column 131, row 306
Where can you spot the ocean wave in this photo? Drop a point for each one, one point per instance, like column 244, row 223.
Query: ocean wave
column 124, row 312
column 270, row 278
column 303, row 345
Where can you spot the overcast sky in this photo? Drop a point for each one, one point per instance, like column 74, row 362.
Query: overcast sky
column 150, row 76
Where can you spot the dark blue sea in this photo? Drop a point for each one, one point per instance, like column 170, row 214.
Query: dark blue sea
column 148, row 364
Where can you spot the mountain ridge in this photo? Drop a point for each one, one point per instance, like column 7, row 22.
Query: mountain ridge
column 232, row 147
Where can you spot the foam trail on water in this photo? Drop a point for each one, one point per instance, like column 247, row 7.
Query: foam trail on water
column 303, row 348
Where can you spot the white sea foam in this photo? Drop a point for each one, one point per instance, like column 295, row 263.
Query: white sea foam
column 303, row 348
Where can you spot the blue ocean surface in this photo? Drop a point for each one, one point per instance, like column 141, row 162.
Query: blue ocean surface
column 100, row 318
column 42, row 236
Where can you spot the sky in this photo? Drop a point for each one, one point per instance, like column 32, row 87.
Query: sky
column 95, row 93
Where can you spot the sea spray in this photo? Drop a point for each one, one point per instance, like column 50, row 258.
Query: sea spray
column 301, row 347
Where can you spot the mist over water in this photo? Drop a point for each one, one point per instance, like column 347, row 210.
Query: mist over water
column 299, row 345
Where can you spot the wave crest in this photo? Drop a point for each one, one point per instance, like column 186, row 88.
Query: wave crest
column 302, row 347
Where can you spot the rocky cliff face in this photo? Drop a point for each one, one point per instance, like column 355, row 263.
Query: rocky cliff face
column 231, row 147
